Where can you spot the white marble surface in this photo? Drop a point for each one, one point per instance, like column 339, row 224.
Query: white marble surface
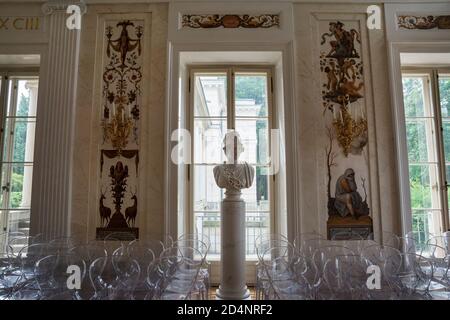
column 88, row 133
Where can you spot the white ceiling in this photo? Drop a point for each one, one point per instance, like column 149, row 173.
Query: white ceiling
column 414, row 59
column 19, row 59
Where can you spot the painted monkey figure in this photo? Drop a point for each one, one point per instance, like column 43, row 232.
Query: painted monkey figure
column 344, row 45
column 348, row 65
column 350, row 88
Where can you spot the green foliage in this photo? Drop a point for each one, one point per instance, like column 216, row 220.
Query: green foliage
column 16, row 190
column 444, row 94
column 413, row 97
column 251, row 87
column 418, row 147
column 20, row 136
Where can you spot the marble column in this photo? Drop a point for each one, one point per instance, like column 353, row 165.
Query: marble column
column 52, row 176
column 232, row 272
column 233, row 176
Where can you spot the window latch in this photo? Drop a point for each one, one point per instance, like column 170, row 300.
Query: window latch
column 6, row 188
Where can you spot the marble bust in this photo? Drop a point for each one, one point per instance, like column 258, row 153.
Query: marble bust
column 233, row 175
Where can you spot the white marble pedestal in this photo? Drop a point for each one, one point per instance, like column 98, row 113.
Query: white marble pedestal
column 232, row 279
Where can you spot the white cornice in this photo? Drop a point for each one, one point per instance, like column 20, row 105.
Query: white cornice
column 61, row 5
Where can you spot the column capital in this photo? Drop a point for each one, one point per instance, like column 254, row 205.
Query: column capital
column 61, row 5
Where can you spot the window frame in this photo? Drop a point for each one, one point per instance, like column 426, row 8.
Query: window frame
column 9, row 78
column 431, row 96
column 230, row 71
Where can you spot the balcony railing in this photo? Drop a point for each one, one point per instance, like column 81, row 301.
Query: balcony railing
column 208, row 224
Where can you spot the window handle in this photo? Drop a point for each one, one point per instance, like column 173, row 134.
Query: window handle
column 6, row 188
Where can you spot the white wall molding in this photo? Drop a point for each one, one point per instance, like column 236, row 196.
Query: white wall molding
column 171, row 170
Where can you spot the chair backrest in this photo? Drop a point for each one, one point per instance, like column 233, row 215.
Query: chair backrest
column 51, row 271
column 408, row 274
column 113, row 240
column 143, row 255
column 302, row 237
column 378, row 254
column 197, row 244
column 194, row 236
column 96, row 270
column 433, row 251
column 89, row 252
column 309, row 246
column 264, row 244
column 409, row 244
column 29, row 255
column 325, row 253
column 442, row 241
column 155, row 246
column 62, row 245
column 390, row 239
column 345, row 273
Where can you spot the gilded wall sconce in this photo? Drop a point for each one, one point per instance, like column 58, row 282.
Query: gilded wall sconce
column 351, row 134
column 118, row 127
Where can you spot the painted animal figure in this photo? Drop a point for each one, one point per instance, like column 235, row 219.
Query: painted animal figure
column 105, row 212
column 131, row 212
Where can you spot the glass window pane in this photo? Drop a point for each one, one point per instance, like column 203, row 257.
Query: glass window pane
column 444, row 94
column 413, row 95
column 424, row 186
column 251, row 94
column 208, row 136
column 425, row 223
column 207, row 195
column 208, row 224
column 420, row 146
column 257, row 224
column 255, row 138
column 26, row 102
column 17, row 187
column 257, row 197
column 23, row 140
column 6, row 141
column 210, row 95
column 9, row 109
column 446, row 138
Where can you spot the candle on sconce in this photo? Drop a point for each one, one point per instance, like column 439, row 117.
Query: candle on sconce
column 340, row 114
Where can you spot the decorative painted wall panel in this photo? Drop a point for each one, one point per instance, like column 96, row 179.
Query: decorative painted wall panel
column 121, row 103
column 230, row 21
column 346, row 127
column 423, row 22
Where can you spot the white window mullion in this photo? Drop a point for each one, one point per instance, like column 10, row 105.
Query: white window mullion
column 441, row 152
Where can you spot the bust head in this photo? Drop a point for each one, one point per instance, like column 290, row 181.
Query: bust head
column 232, row 146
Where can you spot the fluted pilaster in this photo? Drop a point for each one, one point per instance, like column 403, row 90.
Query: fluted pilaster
column 55, row 125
